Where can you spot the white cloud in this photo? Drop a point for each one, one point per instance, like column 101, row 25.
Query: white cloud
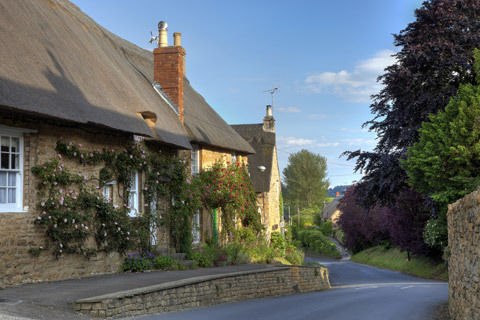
column 355, row 86
column 329, row 144
column 360, row 142
column 292, row 141
column 289, row 110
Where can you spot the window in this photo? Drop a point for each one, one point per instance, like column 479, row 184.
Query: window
column 194, row 160
column 133, row 195
column 11, row 165
column 233, row 157
column 196, row 227
column 107, row 193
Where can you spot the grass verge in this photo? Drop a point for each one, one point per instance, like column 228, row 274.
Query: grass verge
column 394, row 259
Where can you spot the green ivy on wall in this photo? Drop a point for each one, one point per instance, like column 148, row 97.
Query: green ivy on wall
column 71, row 211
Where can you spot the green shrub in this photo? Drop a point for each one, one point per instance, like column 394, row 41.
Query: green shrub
column 136, row 263
column 295, row 256
column 277, row 241
column 316, row 241
column 326, row 228
column 236, row 254
column 165, row 263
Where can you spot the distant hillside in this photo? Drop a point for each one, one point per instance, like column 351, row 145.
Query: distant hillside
column 332, row 191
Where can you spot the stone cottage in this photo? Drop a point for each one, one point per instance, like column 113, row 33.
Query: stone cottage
column 330, row 212
column 66, row 81
column 212, row 139
column 263, row 168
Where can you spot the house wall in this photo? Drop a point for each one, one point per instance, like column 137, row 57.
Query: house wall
column 207, row 157
column 464, row 262
column 270, row 201
column 18, row 233
column 334, row 218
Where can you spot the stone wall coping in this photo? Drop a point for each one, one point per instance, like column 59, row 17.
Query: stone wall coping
column 179, row 283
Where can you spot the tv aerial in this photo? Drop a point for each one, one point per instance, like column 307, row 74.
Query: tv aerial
column 272, row 92
column 153, row 38
column 162, row 25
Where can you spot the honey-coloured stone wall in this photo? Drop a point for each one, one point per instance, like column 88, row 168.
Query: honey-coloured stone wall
column 206, row 291
column 464, row 261
column 19, row 234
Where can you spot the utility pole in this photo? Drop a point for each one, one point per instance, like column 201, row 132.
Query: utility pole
column 298, row 215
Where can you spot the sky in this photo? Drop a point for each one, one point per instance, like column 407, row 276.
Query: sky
column 323, row 56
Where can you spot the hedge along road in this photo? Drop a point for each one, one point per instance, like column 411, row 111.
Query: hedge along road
column 358, row 292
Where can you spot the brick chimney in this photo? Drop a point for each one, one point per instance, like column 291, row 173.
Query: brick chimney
column 269, row 121
column 169, row 67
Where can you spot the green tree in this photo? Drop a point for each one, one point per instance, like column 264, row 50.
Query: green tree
column 305, row 179
column 434, row 58
column 445, row 163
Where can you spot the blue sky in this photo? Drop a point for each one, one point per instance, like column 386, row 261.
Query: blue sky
column 324, row 56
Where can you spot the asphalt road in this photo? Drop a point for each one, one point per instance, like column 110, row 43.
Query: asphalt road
column 358, row 292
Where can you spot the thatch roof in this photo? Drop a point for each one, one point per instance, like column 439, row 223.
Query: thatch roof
column 263, row 142
column 205, row 126
column 57, row 62
column 330, row 208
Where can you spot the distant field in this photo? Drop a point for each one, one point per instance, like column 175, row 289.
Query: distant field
column 393, row 259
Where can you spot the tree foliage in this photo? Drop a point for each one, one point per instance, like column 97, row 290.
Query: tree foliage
column 404, row 222
column 401, row 224
column 445, row 163
column 305, row 179
column 435, row 58
column 362, row 228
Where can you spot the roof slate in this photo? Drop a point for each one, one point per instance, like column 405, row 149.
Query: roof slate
column 58, row 62
column 263, row 143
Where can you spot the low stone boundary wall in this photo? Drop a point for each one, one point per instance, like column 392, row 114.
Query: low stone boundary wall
column 464, row 262
column 206, row 291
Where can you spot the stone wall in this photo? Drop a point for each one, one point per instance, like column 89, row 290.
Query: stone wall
column 272, row 210
column 464, row 262
column 206, row 291
column 18, row 233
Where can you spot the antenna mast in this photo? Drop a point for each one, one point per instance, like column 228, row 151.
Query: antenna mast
column 272, row 92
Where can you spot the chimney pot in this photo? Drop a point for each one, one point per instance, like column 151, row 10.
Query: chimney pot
column 162, row 34
column 269, row 121
column 269, row 111
column 177, row 39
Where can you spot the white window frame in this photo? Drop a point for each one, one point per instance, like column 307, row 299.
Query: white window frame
column 133, row 195
column 16, row 133
column 233, row 157
column 194, row 158
column 196, row 227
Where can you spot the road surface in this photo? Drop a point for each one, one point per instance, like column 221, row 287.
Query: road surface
column 358, row 292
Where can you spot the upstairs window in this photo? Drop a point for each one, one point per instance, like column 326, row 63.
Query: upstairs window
column 11, row 165
column 195, row 160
